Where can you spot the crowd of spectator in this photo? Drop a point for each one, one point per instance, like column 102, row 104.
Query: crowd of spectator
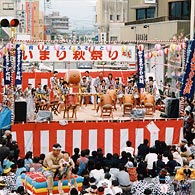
column 107, row 174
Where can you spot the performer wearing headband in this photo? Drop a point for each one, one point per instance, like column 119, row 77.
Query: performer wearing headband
column 50, row 165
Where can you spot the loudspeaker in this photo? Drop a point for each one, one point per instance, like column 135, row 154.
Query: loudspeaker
column 44, row 115
column 172, row 108
column 20, row 109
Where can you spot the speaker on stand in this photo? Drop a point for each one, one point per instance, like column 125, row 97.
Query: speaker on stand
column 20, row 111
column 172, row 108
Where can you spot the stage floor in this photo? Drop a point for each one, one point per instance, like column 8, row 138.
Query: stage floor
column 87, row 113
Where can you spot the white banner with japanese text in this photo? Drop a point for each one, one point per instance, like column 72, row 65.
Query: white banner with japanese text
column 52, row 53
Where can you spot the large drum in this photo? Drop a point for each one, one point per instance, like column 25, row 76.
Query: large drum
column 73, row 77
column 149, row 99
column 128, row 98
column 70, row 100
column 106, row 99
column 112, row 93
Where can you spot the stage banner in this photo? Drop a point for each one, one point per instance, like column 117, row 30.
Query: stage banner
column 188, row 85
column 18, row 68
column 110, row 136
column 141, row 69
column 7, row 69
column 79, row 53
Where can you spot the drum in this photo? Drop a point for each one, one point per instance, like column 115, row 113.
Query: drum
column 70, row 100
column 128, row 98
column 73, row 77
column 149, row 99
column 142, row 97
column 112, row 93
column 106, row 99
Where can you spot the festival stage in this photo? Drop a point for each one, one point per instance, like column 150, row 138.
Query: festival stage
column 92, row 131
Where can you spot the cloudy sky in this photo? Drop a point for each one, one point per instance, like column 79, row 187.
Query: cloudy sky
column 81, row 12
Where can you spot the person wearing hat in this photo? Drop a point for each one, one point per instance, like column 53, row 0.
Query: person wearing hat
column 18, row 96
column 51, row 164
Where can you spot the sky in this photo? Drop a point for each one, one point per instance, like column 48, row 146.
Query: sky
column 81, row 12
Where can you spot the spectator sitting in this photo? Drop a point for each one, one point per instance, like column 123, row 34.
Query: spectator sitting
column 138, row 187
column 191, row 161
column 143, row 149
column 128, row 148
column 106, row 183
column 36, row 165
column 170, row 166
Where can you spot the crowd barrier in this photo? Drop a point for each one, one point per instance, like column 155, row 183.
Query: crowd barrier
column 111, row 136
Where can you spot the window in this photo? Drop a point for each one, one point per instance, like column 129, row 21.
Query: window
column 142, row 14
column 179, row 10
column 111, row 17
column 118, row 17
column 8, row 6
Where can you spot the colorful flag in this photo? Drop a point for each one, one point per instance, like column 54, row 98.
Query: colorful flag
column 141, row 69
column 18, row 69
column 7, row 69
column 188, row 85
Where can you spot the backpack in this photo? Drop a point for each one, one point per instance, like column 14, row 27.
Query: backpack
column 82, row 166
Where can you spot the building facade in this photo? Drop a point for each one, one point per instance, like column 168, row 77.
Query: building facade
column 110, row 17
column 153, row 21
column 156, row 20
column 57, row 25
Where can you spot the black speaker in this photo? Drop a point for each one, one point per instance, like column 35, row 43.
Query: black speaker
column 172, row 108
column 20, row 109
column 44, row 115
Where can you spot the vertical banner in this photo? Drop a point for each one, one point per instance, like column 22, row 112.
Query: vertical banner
column 18, row 69
column 141, row 68
column 188, row 85
column 7, row 69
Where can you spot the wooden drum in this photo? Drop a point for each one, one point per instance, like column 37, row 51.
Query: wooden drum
column 73, row 77
column 106, row 99
column 149, row 99
column 112, row 93
column 128, row 98
column 70, row 100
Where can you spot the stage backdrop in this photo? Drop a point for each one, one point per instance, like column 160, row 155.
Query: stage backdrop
column 110, row 136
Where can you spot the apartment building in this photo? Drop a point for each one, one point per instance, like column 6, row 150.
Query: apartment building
column 111, row 15
column 58, row 25
column 156, row 20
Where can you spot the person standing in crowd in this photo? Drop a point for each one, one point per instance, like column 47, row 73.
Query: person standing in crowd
column 128, row 148
column 97, row 83
column 54, row 84
column 28, row 95
column 110, row 80
column 89, row 82
column 150, row 159
column 189, row 125
column 143, row 149
column 51, row 164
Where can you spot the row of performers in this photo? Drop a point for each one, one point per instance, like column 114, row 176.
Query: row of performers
column 59, row 92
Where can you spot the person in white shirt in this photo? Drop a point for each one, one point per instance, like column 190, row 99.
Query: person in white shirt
column 106, row 183
column 150, row 158
column 128, row 148
column 114, row 188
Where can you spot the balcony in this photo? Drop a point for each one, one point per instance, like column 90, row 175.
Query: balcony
column 154, row 20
